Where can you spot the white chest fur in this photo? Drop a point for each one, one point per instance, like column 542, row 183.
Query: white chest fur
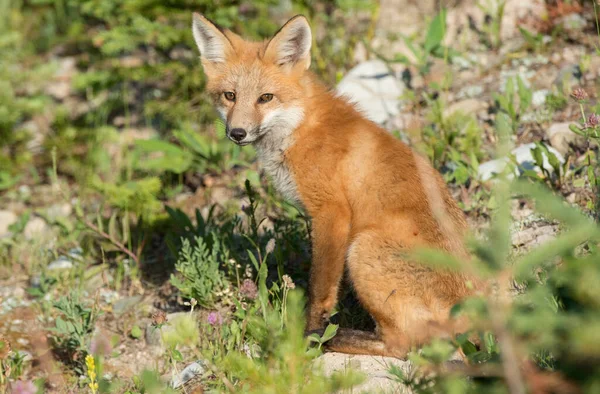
column 279, row 126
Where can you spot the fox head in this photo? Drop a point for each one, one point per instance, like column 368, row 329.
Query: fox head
column 257, row 87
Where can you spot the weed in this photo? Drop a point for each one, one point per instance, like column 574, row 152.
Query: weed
column 508, row 103
column 73, row 329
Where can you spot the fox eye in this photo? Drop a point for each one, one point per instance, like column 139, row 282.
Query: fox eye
column 265, row 98
column 230, row 96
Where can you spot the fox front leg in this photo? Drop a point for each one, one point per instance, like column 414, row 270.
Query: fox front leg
column 331, row 226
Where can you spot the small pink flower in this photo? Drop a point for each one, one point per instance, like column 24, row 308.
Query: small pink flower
column 593, row 120
column 100, row 345
column 579, row 94
column 248, row 289
column 24, row 387
column 214, row 319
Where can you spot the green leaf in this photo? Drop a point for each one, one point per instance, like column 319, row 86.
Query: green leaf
column 436, row 31
column 314, row 338
column 157, row 155
column 136, row 332
column 176, row 354
column 112, row 226
column 575, row 129
column 329, row 333
column 525, row 95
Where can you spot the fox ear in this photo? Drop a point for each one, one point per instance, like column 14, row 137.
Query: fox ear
column 290, row 46
column 212, row 43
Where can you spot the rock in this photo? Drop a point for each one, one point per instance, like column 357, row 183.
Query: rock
column 153, row 335
column 523, row 157
column 6, row 219
column 560, row 137
column 539, row 97
column 124, row 304
column 567, row 78
column 188, row 373
column 526, row 235
column 466, row 107
column 97, row 277
column 108, row 296
column 61, row 263
column 571, row 22
column 374, row 367
column 59, row 211
column 374, row 89
column 35, row 226
column 470, row 91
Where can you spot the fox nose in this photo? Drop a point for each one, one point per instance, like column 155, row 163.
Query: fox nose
column 238, row 134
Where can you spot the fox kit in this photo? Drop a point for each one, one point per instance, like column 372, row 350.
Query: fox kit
column 370, row 198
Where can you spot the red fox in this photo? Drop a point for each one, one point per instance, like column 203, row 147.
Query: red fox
column 370, row 198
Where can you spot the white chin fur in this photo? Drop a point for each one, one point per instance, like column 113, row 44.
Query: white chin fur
column 278, row 127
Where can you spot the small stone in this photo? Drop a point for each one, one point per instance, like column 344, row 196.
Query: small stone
column 153, row 334
column 523, row 157
column 6, row 219
column 124, row 304
column 466, row 107
column 539, row 97
column 374, row 89
column 534, row 236
column 571, row 22
column 470, row 91
column 188, row 373
column 35, row 226
column 59, row 211
column 561, row 137
column 61, row 263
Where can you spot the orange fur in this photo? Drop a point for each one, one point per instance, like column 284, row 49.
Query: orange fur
column 369, row 196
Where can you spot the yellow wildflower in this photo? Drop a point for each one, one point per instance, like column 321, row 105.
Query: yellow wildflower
column 91, row 372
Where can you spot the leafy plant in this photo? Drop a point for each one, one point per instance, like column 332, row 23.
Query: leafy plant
column 431, row 47
column 73, row 329
column 199, row 268
column 492, row 29
column 552, row 280
column 508, row 103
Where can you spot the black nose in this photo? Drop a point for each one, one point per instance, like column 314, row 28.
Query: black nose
column 238, row 134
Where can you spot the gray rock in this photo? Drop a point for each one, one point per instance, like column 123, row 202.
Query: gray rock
column 539, row 97
column 6, row 219
column 374, row 367
column 523, row 157
column 124, row 304
column 534, row 236
column 153, row 335
column 560, row 137
column 59, row 211
column 466, row 107
column 572, row 22
column 35, row 226
column 188, row 373
column 567, row 78
column 374, row 89
column 61, row 263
